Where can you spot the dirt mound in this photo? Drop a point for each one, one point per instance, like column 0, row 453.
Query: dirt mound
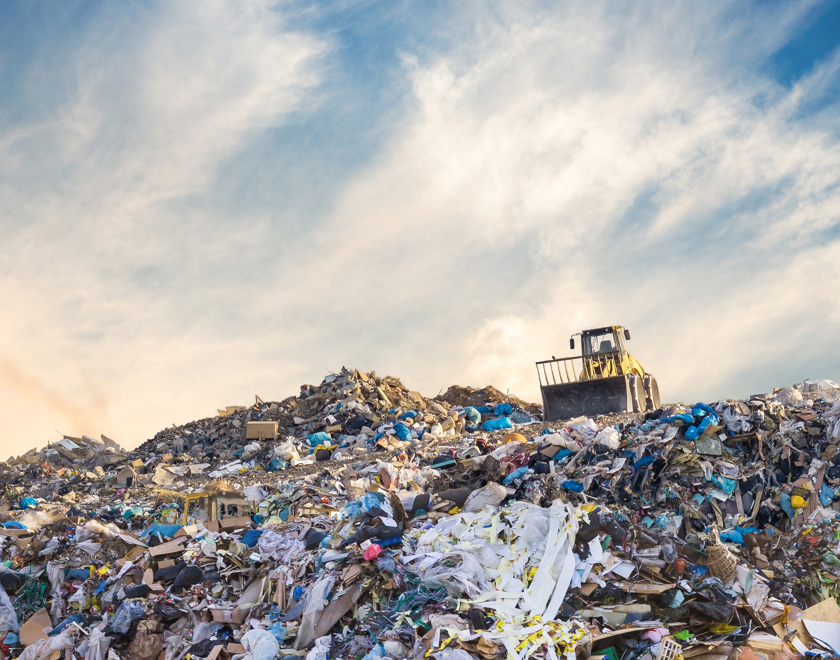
column 457, row 395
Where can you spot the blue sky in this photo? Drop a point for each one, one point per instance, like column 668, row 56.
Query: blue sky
column 203, row 202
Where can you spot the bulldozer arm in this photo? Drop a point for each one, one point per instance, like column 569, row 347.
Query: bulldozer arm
column 615, row 394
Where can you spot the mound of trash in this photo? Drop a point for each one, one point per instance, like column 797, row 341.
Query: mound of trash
column 362, row 520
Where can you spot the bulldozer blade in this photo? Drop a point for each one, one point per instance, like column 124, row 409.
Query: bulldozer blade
column 588, row 397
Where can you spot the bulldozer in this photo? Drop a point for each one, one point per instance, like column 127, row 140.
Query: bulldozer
column 605, row 378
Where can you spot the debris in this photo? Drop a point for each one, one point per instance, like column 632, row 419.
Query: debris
column 371, row 522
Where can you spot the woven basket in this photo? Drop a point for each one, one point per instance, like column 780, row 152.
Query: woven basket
column 721, row 563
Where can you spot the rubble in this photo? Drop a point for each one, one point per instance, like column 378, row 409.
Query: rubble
column 363, row 520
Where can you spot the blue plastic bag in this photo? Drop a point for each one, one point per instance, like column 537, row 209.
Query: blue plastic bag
column 733, row 536
column 516, row 474
column 725, row 484
column 278, row 631
column 562, row 453
column 826, row 495
column 573, row 486
column 497, row 424
column 14, row 524
column 503, row 409
column 163, row 530
column 319, row 438
column 402, row 432
column 694, row 432
column 28, row 503
column 710, row 418
column 251, row 537
column 362, row 505
column 685, row 418
column 472, row 415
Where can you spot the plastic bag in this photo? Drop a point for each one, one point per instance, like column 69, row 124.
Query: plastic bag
column 287, row 451
column 789, row 396
column 8, row 616
column 55, row 573
column 376, row 653
column 491, row 495
column 518, row 473
column 321, row 650
column 260, row 645
column 609, row 437
column 460, row 573
column 204, row 631
column 362, row 505
column 452, row 654
column 43, row 649
column 320, row 438
column 372, row 551
column 96, row 646
column 472, row 415
column 278, row 631
column 497, row 424
column 402, row 432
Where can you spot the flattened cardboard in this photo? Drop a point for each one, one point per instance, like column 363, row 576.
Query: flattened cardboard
column 231, row 524
column 335, row 610
column 827, row 611
column 33, row 629
column 645, row 588
column 168, row 548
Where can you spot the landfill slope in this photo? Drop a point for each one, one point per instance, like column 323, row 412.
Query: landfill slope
column 361, row 519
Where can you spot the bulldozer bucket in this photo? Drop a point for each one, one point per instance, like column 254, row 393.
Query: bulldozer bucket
column 588, row 397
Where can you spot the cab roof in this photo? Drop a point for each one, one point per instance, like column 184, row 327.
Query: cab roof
column 601, row 331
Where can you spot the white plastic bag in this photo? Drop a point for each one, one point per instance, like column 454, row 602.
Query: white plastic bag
column 8, row 616
column 260, row 645
column 491, row 495
column 96, row 646
column 287, row 451
column 609, row 437
column 321, row 650
column 44, row 648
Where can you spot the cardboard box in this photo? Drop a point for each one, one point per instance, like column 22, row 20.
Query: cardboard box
column 261, row 430
column 235, row 615
column 219, row 652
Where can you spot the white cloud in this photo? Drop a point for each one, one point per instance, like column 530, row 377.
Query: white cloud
column 158, row 104
column 540, row 143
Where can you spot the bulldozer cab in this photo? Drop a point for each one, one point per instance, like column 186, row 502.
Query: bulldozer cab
column 602, row 340
column 605, row 355
column 603, row 379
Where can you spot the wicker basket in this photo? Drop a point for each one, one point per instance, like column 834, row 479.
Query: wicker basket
column 721, row 563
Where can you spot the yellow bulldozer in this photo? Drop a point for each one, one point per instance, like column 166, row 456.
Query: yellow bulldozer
column 605, row 378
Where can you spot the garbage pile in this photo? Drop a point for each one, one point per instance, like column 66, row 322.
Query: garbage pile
column 362, row 520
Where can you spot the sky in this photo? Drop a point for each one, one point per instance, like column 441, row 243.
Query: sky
column 203, row 202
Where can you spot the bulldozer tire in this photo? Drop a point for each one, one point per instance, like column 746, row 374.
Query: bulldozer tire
column 651, row 393
column 637, row 392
